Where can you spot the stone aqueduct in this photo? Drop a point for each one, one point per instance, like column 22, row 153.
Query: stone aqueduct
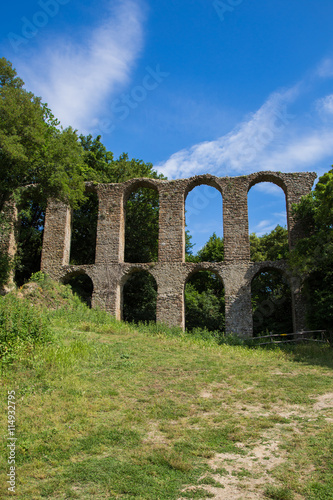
column 109, row 272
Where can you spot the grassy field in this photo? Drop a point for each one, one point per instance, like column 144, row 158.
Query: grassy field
column 106, row 410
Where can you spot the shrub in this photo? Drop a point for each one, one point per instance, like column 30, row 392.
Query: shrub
column 21, row 327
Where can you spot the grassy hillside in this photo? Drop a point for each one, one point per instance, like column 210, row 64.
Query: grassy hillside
column 106, row 410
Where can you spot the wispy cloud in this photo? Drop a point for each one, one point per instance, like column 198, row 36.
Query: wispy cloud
column 275, row 137
column 326, row 104
column 76, row 77
column 267, row 188
column 264, row 227
column 325, row 68
column 239, row 148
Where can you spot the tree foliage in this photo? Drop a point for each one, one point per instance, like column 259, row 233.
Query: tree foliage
column 204, row 302
column 33, row 149
column 313, row 255
column 204, row 291
column 271, row 246
column 139, row 297
column 271, row 303
column 141, row 226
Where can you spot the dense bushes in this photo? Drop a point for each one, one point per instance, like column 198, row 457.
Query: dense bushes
column 21, row 326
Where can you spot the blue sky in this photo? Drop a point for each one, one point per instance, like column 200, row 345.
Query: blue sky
column 227, row 87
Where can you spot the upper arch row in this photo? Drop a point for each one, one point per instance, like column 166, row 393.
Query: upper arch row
column 290, row 183
column 110, row 241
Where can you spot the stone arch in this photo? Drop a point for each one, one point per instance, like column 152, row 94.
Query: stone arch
column 81, row 284
column 204, row 304
column 272, row 298
column 135, row 184
column 281, row 210
column 140, row 301
column 146, row 239
column 170, row 271
column 204, row 266
column 208, row 180
column 273, row 177
column 28, row 232
column 83, row 237
column 203, row 201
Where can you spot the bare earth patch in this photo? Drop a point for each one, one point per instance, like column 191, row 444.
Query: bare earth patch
column 245, row 476
column 324, row 401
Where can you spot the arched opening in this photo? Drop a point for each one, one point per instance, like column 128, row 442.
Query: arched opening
column 139, row 297
column 84, row 231
column 30, row 235
column 82, row 285
column 204, row 302
column 267, row 222
column 204, row 223
column 141, row 225
column 271, row 303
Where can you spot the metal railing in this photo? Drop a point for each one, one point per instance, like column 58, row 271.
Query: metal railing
column 285, row 338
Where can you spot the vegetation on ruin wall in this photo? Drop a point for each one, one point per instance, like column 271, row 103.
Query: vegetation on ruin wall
column 313, row 255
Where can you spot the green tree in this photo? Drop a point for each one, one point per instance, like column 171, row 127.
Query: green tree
column 139, row 297
column 271, row 303
column 312, row 257
column 271, row 246
column 142, row 207
column 141, row 226
column 271, row 295
column 205, row 308
column 204, row 292
column 33, row 150
column 213, row 251
column 31, row 225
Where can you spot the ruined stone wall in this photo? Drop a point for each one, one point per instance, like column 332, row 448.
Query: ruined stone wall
column 8, row 239
column 171, row 272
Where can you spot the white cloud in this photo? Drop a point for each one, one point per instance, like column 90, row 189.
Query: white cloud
column 241, row 148
column 77, row 77
column 302, row 152
column 264, row 227
column 270, row 139
column 326, row 104
column 268, row 188
column 325, row 68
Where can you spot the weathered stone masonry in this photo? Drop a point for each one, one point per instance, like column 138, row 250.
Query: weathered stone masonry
column 171, row 272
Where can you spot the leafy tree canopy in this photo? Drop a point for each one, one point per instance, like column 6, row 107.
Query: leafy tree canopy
column 271, row 246
column 100, row 166
column 33, row 150
column 313, row 255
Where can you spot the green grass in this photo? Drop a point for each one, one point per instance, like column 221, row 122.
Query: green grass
column 108, row 410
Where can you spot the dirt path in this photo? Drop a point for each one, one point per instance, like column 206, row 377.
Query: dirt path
column 245, row 476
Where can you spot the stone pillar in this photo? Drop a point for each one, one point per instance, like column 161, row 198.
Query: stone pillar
column 110, row 242
column 298, row 305
column 298, row 185
column 235, row 220
column 56, row 238
column 106, row 294
column 171, row 241
column 170, row 307
column 238, row 308
column 8, row 239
